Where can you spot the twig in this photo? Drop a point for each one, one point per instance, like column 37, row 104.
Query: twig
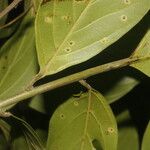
column 5, row 114
column 14, row 20
column 85, row 84
column 68, row 80
column 9, row 8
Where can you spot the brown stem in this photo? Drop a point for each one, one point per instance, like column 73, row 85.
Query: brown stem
column 9, row 8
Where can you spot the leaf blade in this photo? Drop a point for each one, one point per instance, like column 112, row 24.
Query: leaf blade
column 80, row 126
column 143, row 50
column 18, row 60
column 120, row 88
column 5, row 128
column 31, row 136
column 84, row 37
column 145, row 142
column 128, row 133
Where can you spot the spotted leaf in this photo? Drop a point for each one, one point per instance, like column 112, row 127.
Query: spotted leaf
column 69, row 32
column 83, row 123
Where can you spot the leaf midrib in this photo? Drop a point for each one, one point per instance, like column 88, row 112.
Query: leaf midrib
column 72, row 28
column 46, row 68
column 87, row 119
column 111, row 117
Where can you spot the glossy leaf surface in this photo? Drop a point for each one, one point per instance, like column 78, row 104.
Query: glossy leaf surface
column 83, row 123
column 71, row 32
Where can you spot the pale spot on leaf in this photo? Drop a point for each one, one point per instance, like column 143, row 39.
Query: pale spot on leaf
column 124, row 18
column 67, row 18
column 127, row 2
column 48, row 19
column 68, row 50
column 110, row 130
column 71, row 43
column 104, row 40
column 76, row 103
column 62, row 116
column 64, row 17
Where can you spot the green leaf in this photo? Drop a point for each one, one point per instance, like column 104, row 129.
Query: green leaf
column 19, row 143
column 128, row 138
column 18, row 60
column 6, row 32
column 128, row 134
column 37, row 103
column 69, row 32
column 83, row 123
column 30, row 135
column 43, row 135
column 146, row 138
column 3, row 143
column 5, row 128
column 120, row 89
column 143, row 50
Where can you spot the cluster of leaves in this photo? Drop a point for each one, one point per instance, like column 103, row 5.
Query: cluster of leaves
column 49, row 40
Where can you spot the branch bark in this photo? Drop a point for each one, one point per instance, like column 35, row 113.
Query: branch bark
column 9, row 8
column 67, row 80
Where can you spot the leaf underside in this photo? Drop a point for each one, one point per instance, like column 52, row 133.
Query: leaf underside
column 70, row 32
column 83, row 123
column 143, row 50
column 18, row 62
